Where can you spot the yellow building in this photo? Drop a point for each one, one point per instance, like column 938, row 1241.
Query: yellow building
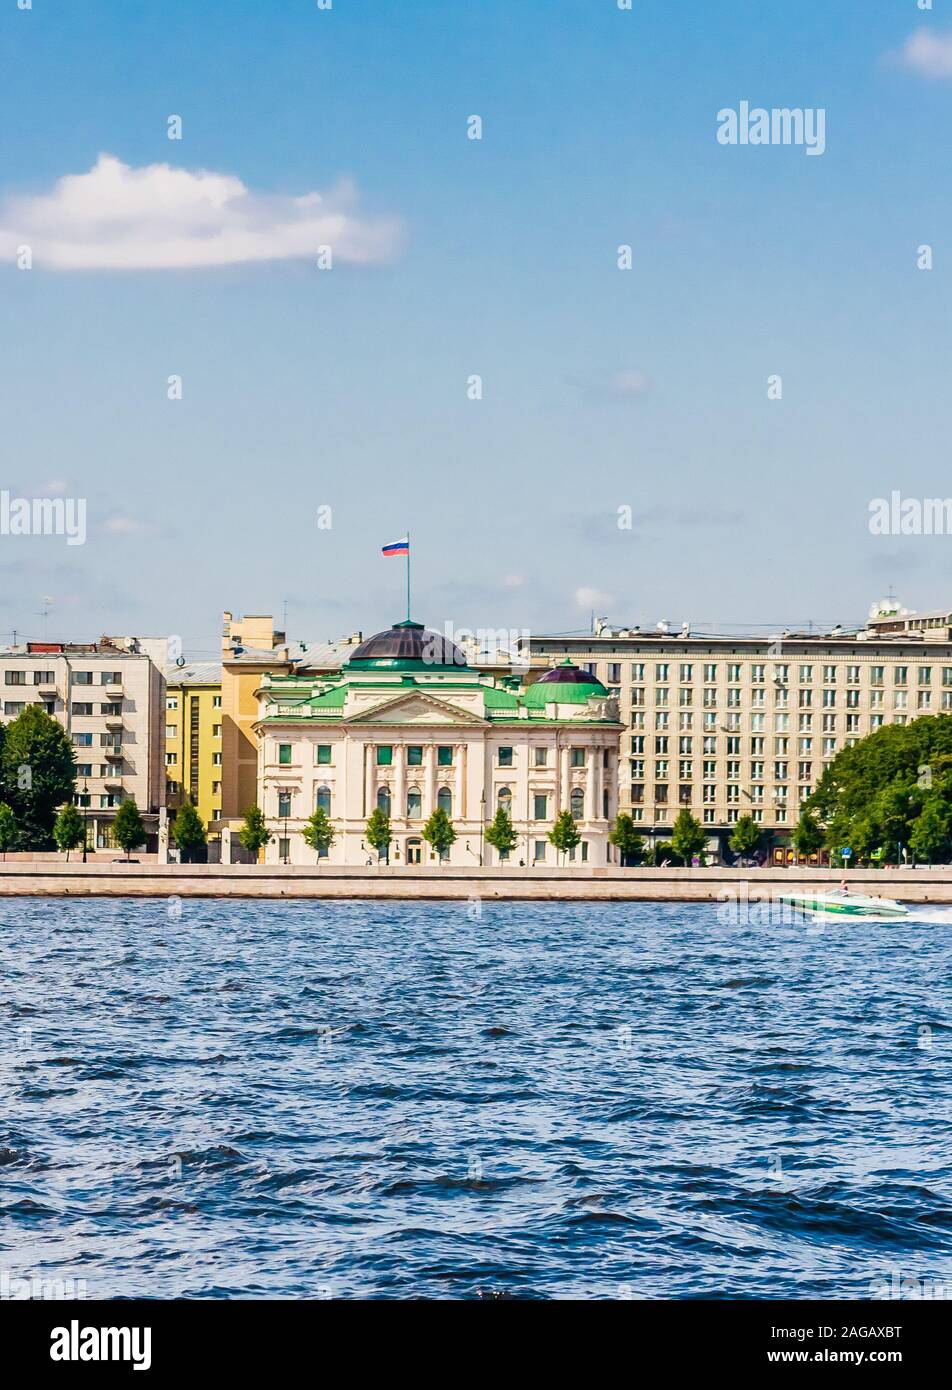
column 193, row 738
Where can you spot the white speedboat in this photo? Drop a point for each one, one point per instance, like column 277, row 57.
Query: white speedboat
column 840, row 903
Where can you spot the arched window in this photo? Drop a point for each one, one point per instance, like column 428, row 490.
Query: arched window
column 504, row 799
column 324, row 799
column 383, row 800
column 414, row 803
column 444, row 800
column 577, row 803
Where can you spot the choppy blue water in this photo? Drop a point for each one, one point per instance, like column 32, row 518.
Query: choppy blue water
column 560, row 1100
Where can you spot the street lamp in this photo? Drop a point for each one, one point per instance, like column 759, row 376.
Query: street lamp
column 482, row 824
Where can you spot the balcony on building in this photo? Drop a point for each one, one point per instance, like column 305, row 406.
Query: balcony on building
column 113, row 690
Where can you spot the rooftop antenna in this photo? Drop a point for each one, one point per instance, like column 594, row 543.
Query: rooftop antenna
column 46, row 600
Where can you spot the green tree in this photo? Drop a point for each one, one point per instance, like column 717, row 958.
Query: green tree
column 69, row 829
column 807, row 836
column 929, row 837
column 378, row 832
column 8, row 827
column 188, row 832
column 626, row 839
column 664, row 850
column 565, row 834
column 439, row 833
column 746, row 837
column 688, row 836
column 254, row 834
column 128, row 830
column 500, row 833
column 319, row 832
column 885, row 777
column 37, row 775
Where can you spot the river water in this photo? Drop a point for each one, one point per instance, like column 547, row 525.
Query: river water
column 306, row 1099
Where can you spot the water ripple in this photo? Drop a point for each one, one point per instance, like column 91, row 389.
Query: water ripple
column 533, row 1101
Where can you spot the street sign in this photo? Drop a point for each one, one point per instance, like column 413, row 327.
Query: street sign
column 846, row 852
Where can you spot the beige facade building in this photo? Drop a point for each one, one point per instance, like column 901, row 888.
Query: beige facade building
column 728, row 726
column 408, row 727
column 110, row 698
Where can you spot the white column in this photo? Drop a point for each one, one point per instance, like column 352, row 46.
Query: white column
column 369, row 774
column 599, row 783
column 429, row 780
column 590, row 786
column 564, row 785
column 399, row 808
column 459, row 800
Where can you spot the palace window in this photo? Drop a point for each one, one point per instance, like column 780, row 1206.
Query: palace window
column 284, row 804
column 414, row 755
column 504, row 799
column 444, row 755
column 383, row 800
column 505, row 757
column 323, row 755
column 324, row 799
column 577, row 803
column 541, row 757
column 384, row 754
column 414, row 803
column 577, row 758
column 540, row 806
column 444, row 800
column 284, row 754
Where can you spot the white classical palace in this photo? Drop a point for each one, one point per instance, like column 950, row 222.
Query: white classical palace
column 408, row 727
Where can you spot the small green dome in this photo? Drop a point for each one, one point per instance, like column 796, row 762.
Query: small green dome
column 567, row 684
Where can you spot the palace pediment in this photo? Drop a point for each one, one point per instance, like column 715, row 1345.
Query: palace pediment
column 415, row 707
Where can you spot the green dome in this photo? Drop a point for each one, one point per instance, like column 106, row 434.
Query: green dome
column 567, row 684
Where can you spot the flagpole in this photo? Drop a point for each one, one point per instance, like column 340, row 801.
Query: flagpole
column 408, row 576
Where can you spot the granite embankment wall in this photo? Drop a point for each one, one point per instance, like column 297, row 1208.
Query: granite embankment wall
column 611, row 884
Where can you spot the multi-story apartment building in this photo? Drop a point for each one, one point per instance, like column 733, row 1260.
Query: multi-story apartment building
column 727, row 726
column 110, row 698
column 193, row 737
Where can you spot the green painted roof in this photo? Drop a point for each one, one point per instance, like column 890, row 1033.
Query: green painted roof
column 542, row 693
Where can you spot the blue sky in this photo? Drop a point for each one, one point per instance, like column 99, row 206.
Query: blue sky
column 602, row 388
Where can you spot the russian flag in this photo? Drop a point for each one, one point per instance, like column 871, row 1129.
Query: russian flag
column 397, row 547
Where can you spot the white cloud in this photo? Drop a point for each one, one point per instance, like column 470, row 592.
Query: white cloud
column 593, row 598
column 124, row 526
column 115, row 217
column 628, row 381
column 928, row 53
